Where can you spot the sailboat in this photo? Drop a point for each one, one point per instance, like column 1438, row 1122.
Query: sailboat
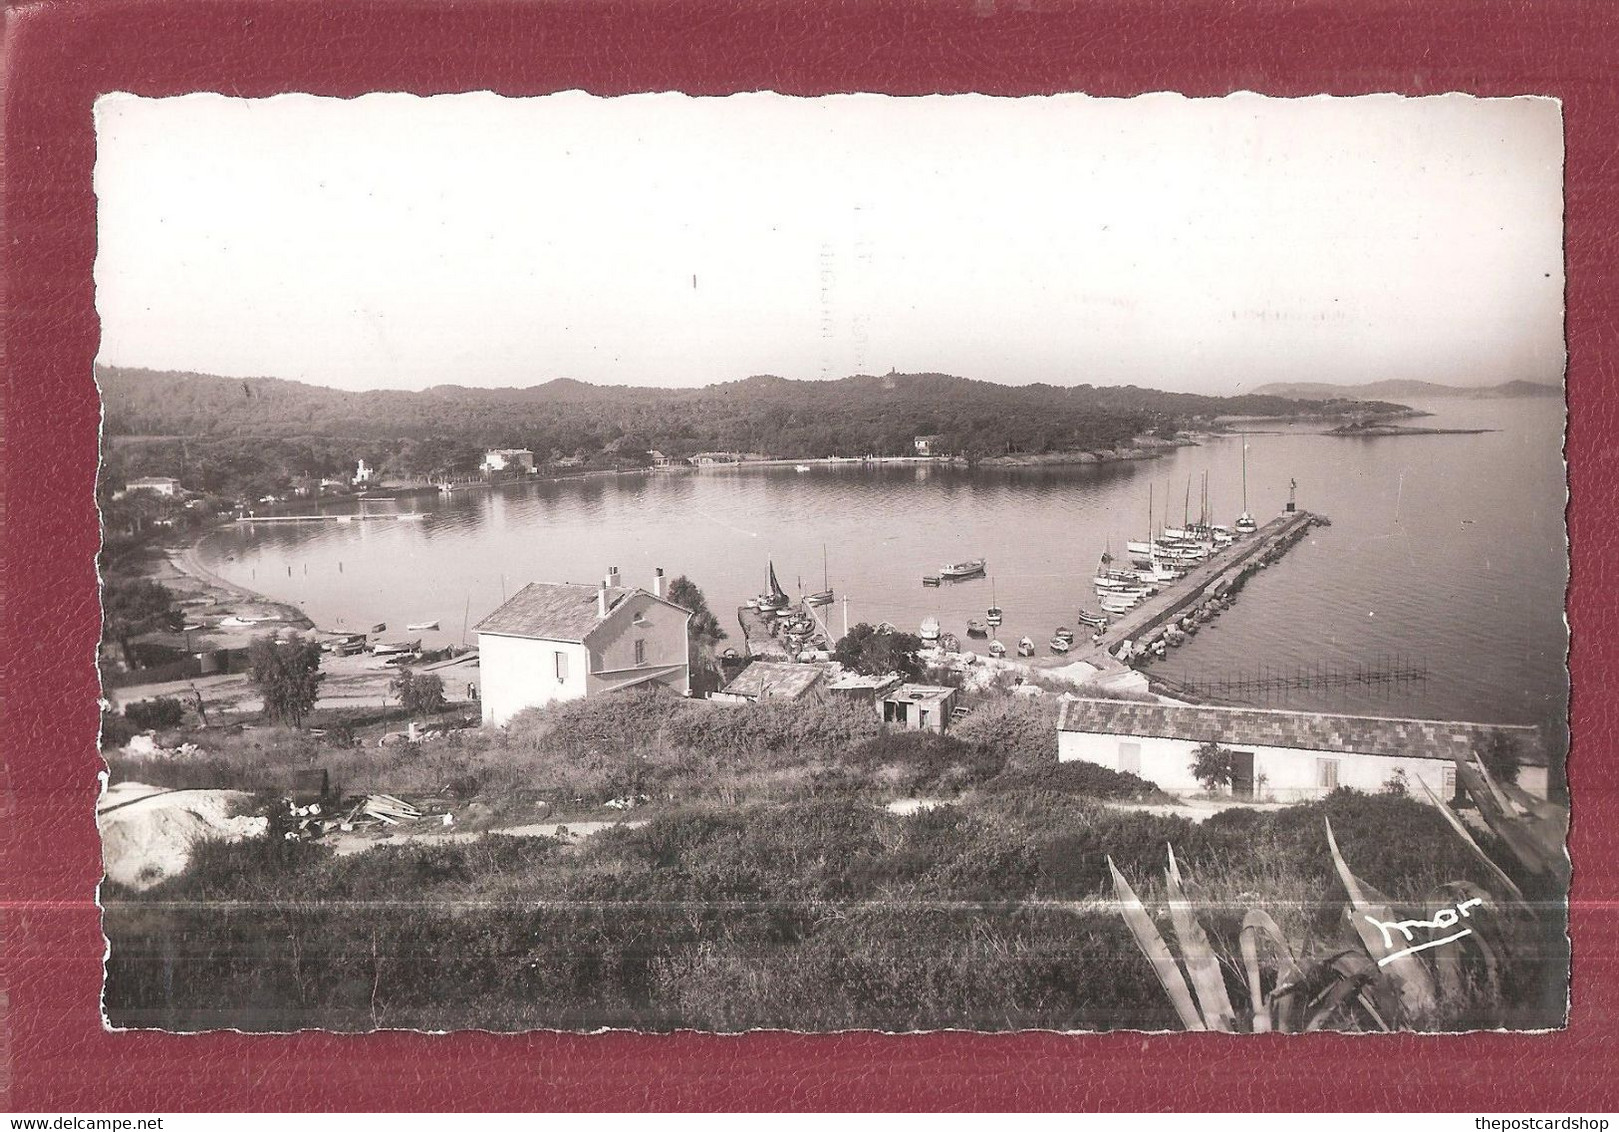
column 776, row 598
column 1245, row 522
column 822, row 597
column 994, row 614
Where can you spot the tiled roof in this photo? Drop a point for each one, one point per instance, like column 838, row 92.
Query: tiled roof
column 785, row 681
column 550, row 611
column 1299, row 730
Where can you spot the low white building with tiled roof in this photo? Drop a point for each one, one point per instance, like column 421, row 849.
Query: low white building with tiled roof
column 563, row 641
column 1285, row 756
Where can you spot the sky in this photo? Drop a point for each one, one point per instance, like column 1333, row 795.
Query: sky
column 1209, row 245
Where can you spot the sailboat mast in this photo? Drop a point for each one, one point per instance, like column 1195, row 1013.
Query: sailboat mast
column 1244, row 473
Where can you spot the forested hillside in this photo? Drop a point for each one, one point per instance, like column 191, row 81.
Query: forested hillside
column 765, row 415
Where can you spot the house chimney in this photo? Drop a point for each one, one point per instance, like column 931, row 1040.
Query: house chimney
column 601, row 600
column 612, row 577
column 660, row 584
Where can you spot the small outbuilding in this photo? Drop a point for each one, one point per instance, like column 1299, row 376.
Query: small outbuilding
column 918, row 707
column 771, row 680
column 1284, row 756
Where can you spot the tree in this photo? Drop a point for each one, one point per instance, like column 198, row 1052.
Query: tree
column 876, row 652
column 418, row 692
column 130, row 606
column 1213, row 766
column 703, row 634
column 287, row 674
column 704, row 627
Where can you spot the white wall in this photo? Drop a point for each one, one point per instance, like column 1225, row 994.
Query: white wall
column 1288, row 775
column 518, row 673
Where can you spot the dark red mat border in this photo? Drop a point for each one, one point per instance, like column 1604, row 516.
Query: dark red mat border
column 59, row 56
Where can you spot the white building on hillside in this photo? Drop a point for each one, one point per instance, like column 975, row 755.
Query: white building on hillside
column 1285, row 756
column 508, row 459
column 158, row 485
column 562, row 641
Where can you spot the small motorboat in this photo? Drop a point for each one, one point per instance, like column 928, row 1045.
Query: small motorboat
column 1065, row 633
column 931, row 580
column 422, row 626
column 1095, row 620
column 380, row 627
column 1059, row 645
column 1025, row 646
column 950, row 643
column 930, row 629
column 977, row 628
column 997, row 649
column 959, row 571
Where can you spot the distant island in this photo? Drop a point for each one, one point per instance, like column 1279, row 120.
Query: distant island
column 1384, row 428
column 1402, row 390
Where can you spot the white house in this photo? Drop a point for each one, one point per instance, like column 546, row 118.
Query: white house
column 363, row 474
column 504, row 459
column 1285, row 756
column 928, row 445
column 158, row 485
column 562, row 641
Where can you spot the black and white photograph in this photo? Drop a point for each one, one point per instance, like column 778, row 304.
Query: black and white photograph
column 858, row 562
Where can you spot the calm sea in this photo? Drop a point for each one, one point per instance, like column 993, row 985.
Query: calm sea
column 1446, row 552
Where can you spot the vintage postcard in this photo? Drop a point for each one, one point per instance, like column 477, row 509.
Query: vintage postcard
column 840, row 563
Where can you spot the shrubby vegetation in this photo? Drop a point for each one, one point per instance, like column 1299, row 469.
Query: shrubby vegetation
column 823, row 913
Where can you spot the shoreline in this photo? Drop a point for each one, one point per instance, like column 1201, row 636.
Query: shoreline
column 187, row 560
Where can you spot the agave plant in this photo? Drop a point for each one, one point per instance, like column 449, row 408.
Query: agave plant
column 1306, row 994
column 1411, row 966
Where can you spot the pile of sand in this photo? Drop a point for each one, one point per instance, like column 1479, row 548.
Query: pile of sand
column 147, row 833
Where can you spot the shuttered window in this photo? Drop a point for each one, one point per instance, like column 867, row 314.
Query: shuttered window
column 1326, row 772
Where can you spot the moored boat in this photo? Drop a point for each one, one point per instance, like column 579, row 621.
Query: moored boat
column 994, row 614
column 422, row 626
column 1025, row 646
column 1095, row 620
column 950, row 643
column 959, row 571
column 930, row 629
column 977, row 628
column 823, row 596
column 997, row 649
column 1065, row 633
column 380, row 627
column 1059, row 645
column 775, row 597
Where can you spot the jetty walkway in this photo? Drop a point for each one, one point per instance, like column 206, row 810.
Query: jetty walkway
column 1216, row 574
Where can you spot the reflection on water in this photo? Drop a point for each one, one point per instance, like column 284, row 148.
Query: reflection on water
column 1448, row 550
